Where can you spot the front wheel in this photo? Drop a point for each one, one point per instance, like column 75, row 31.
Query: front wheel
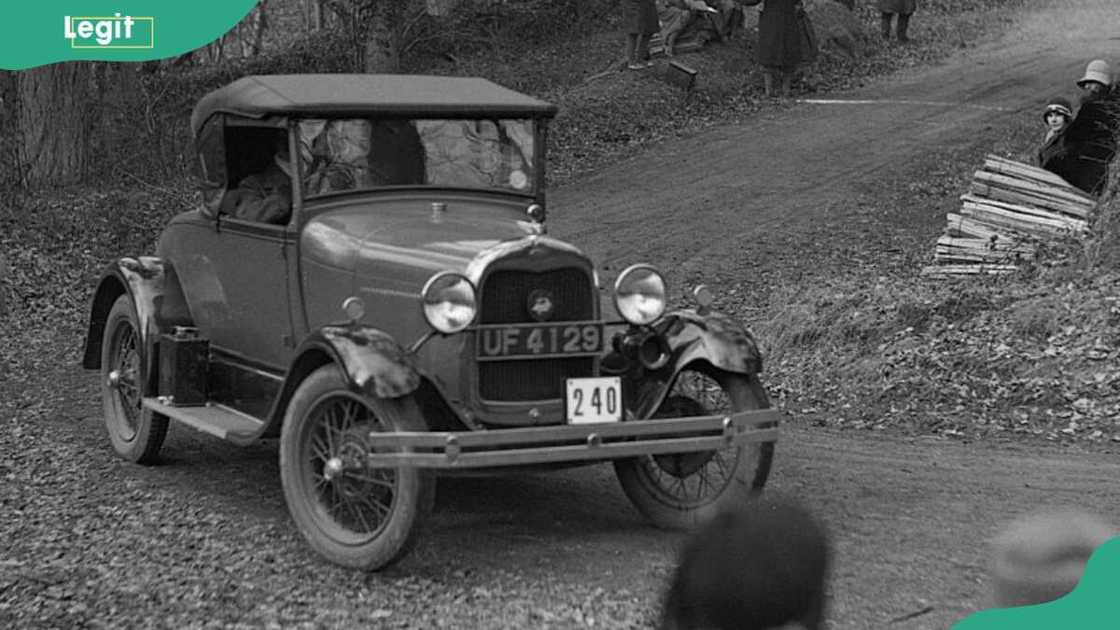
column 683, row 490
column 135, row 432
column 358, row 517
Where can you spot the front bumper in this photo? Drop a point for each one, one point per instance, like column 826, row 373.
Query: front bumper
column 569, row 443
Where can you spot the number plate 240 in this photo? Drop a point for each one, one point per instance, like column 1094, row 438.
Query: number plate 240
column 594, row 400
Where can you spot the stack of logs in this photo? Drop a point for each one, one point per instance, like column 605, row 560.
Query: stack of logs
column 1009, row 210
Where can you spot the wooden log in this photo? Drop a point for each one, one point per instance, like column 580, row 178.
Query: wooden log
column 1005, row 166
column 1045, row 191
column 1036, row 173
column 1009, row 220
column 969, row 226
column 967, row 270
column 997, row 244
column 1029, row 212
column 1009, row 196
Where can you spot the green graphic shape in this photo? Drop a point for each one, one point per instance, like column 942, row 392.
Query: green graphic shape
column 1092, row 605
column 41, row 33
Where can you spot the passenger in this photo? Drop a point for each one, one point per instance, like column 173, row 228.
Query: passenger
column 1057, row 116
column 1042, row 557
column 762, row 566
column 266, row 197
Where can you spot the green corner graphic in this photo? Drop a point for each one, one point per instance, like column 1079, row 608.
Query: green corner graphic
column 42, row 33
column 1091, row 606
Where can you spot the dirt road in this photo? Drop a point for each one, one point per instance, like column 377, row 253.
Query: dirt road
column 204, row 539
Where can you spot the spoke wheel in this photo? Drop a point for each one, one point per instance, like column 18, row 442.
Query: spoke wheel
column 135, row 433
column 682, row 490
column 353, row 515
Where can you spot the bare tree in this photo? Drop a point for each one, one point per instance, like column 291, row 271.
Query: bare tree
column 381, row 32
column 55, row 117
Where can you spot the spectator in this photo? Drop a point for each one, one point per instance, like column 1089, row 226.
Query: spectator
column 759, row 567
column 1041, row 558
column 1091, row 137
column 903, row 9
column 780, row 43
column 642, row 20
column 1057, row 116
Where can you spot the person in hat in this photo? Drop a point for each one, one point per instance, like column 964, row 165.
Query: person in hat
column 1057, row 116
column 761, row 566
column 888, row 9
column 641, row 17
column 1041, row 557
column 1091, row 136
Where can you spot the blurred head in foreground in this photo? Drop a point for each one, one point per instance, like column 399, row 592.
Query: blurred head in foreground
column 759, row 567
column 1040, row 558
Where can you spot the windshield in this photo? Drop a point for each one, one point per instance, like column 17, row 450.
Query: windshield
column 350, row 154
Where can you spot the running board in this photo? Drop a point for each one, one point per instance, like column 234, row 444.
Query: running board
column 213, row 418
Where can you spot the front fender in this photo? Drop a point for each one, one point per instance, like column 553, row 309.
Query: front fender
column 689, row 336
column 142, row 279
column 373, row 361
column 714, row 337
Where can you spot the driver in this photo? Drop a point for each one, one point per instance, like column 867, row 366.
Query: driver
column 266, row 197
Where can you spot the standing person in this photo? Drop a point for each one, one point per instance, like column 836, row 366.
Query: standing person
column 760, row 566
column 780, row 45
column 903, row 9
column 1052, row 153
column 642, row 20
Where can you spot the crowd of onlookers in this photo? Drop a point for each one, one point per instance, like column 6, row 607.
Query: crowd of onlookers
column 786, row 38
column 1081, row 142
column 765, row 566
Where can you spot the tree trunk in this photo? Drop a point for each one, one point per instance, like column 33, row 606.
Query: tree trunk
column 54, row 126
column 9, row 130
column 382, row 54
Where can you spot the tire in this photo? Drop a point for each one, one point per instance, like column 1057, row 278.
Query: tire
column 136, row 433
column 356, row 517
column 677, row 491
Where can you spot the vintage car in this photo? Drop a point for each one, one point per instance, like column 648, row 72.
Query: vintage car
column 369, row 279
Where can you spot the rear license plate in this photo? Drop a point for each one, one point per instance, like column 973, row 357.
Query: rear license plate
column 594, row 400
column 539, row 341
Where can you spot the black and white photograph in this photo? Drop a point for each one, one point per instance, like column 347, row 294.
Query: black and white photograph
column 587, row 314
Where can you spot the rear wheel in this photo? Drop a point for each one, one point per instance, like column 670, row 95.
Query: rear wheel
column 355, row 516
column 135, row 432
column 682, row 490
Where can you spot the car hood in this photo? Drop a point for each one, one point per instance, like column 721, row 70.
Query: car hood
column 397, row 245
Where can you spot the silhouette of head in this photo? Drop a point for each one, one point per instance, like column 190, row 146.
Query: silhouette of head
column 761, row 566
column 1041, row 557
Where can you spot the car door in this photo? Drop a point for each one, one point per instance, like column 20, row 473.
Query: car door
column 234, row 275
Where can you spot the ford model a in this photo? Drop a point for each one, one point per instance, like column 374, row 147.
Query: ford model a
column 369, row 279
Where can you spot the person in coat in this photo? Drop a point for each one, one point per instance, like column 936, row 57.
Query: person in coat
column 780, row 46
column 1091, row 137
column 903, row 9
column 641, row 16
column 1052, row 155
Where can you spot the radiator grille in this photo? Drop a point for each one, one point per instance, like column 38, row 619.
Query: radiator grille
column 505, row 296
column 505, row 300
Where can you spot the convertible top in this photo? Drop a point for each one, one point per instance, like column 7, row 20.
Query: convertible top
column 348, row 94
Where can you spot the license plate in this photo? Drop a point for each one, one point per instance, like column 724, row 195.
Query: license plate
column 539, row 341
column 594, row 400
